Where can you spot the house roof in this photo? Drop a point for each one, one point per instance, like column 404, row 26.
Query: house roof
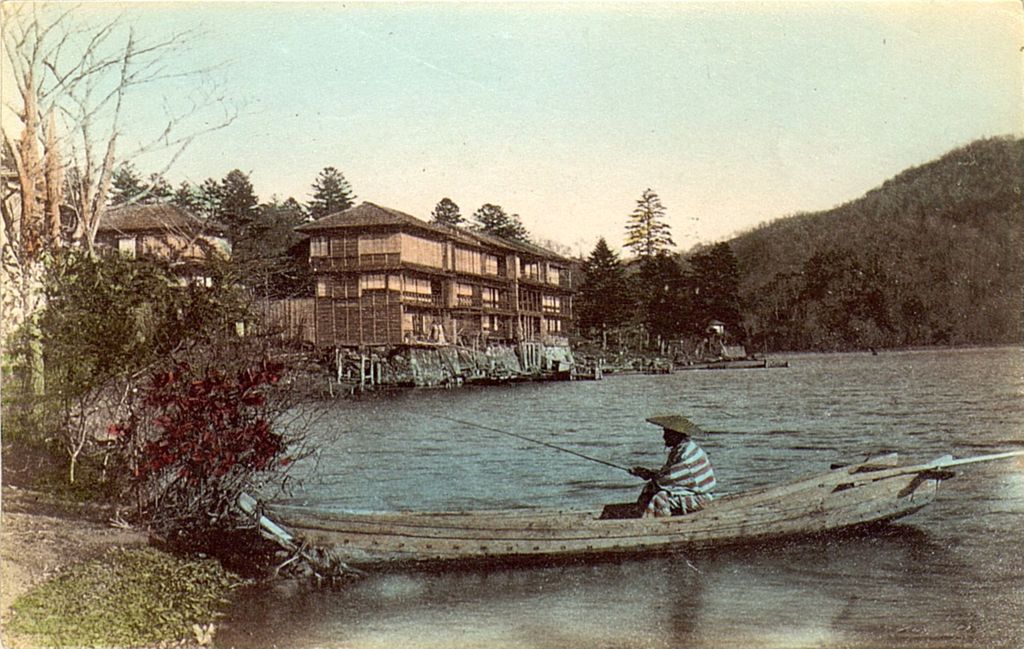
column 369, row 214
column 159, row 216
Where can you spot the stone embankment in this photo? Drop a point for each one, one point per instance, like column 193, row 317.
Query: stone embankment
column 452, row 365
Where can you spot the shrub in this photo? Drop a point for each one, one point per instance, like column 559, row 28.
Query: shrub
column 199, row 437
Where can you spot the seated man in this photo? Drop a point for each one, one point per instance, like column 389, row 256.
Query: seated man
column 686, row 481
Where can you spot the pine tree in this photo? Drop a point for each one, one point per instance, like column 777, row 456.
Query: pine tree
column 603, row 301
column 331, row 193
column 126, row 185
column 446, row 212
column 647, row 234
column 186, row 197
column 493, row 220
column 268, row 266
column 664, row 301
column 159, row 190
column 208, row 199
column 716, row 280
column 237, row 201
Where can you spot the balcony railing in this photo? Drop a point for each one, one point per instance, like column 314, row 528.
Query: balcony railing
column 383, row 260
column 419, row 299
column 500, row 305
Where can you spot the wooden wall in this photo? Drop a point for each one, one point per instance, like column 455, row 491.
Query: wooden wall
column 373, row 319
column 291, row 319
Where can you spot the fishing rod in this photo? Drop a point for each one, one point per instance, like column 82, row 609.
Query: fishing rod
column 534, row 441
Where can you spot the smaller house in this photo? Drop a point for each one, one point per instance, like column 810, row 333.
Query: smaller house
column 164, row 231
column 716, row 327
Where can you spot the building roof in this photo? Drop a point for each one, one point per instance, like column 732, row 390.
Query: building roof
column 125, row 219
column 365, row 215
column 369, row 215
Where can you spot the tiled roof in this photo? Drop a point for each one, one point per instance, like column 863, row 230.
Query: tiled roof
column 147, row 218
column 368, row 214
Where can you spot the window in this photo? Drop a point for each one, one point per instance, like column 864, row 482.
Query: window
column 552, row 304
column 489, row 322
column 372, row 283
column 531, row 270
column 424, row 252
column 464, row 294
column 417, row 285
column 379, row 245
column 318, row 247
column 555, row 275
column 467, row 261
column 552, row 326
column 126, row 246
column 490, row 297
column 345, row 288
column 418, row 290
column 490, row 264
column 529, row 300
column 322, row 289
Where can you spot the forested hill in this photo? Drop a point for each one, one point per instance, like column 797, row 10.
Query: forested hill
column 935, row 256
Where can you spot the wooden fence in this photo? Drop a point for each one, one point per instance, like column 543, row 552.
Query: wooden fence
column 292, row 319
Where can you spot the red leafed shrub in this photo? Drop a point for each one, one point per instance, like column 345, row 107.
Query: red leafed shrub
column 199, row 439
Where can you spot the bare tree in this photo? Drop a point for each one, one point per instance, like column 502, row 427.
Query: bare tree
column 71, row 117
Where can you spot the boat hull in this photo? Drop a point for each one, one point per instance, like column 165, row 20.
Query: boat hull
column 827, row 502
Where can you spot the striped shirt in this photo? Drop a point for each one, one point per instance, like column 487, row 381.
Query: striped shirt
column 687, row 470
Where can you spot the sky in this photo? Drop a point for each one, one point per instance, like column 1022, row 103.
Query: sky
column 733, row 113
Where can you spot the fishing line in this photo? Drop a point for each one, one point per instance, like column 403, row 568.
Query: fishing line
column 533, row 441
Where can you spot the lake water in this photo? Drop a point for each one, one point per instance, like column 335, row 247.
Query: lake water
column 951, row 575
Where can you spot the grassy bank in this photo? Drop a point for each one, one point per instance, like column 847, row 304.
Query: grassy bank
column 70, row 578
column 127, row 597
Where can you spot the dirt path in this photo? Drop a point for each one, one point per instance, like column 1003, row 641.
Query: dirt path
column 40, row 535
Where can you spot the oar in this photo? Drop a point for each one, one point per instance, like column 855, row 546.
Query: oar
column 534, row 441
column 942, row 463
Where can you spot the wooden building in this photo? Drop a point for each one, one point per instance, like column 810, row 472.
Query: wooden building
column 165, row 231
column 386, row 278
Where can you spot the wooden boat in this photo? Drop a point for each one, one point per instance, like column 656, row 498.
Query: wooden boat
column 872, row 491
column 729, row 364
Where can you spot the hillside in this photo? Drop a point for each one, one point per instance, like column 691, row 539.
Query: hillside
column 933, row 256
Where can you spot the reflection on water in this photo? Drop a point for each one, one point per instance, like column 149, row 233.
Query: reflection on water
column 950, row 575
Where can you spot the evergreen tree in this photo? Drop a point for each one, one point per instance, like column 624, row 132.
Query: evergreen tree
column 331, row 193
column 269, row 266
column 187, row 198
column 716, row 288
column 208, row 199
column 647, row 234
column 664, row 304
column 237, row 208
column 493, row 220
column 126, row 186
column 446, row 212
column 159, row 190
column 603, row 301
